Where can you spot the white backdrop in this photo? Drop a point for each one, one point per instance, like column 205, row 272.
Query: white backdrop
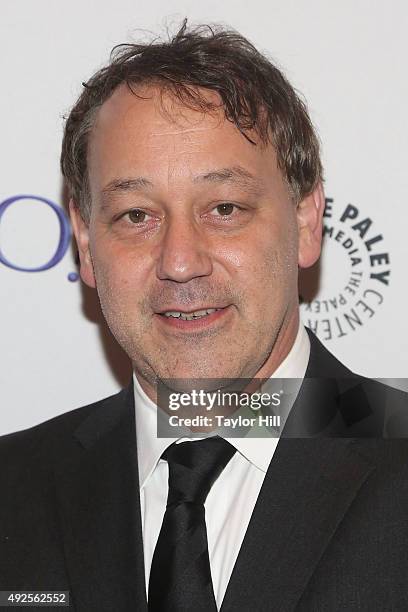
column 349, row 60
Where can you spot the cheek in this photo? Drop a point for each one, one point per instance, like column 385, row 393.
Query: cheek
column 232, row 256
column 116, row 265
column 271, row 273
column 113, row 281
column 270, row 255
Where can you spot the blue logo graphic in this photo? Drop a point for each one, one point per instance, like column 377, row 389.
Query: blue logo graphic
column 64, row 237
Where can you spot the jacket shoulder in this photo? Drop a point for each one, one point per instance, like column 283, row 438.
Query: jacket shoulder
column 32, row 443
column 368, row 407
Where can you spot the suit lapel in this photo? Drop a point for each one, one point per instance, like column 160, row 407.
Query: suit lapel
column 308, row 488
column 98, row 499
column 311, row 481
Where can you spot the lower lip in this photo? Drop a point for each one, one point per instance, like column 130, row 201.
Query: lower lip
column 194, row 324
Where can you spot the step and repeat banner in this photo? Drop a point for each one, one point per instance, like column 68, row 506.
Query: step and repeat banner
column 348, row 60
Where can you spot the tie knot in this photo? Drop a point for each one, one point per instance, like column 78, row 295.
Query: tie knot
column 194, row 467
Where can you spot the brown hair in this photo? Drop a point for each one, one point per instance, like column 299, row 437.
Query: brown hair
column 254, row 94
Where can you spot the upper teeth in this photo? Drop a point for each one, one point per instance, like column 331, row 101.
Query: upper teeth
column 191, row 315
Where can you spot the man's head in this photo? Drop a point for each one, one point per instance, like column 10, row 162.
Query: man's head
column 196, row 184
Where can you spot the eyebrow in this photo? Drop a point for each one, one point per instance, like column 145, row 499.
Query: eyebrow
column 234, row 174
column 127, row 184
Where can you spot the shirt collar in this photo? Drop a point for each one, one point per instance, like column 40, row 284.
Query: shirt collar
column 258, row 451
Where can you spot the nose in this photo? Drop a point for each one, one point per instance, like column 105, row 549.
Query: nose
column 184, row 252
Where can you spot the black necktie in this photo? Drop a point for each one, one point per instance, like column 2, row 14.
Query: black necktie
column 180, row 576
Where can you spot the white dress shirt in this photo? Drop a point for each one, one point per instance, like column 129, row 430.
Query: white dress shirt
column 232, row 498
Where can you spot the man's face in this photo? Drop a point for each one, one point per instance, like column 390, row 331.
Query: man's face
column 189, row 216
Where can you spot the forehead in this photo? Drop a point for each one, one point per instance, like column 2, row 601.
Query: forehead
column 155, row 132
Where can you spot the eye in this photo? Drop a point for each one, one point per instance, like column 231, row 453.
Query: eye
column 225, row 209
column 136, row 215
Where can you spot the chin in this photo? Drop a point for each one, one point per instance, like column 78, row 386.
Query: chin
column 187, row 384
column 206, row 378
column 192, row 374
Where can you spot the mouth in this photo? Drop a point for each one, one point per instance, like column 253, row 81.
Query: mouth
column 189, row 316
column 194, row 319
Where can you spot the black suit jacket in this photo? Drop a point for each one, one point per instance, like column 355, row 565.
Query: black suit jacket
column 329, row 531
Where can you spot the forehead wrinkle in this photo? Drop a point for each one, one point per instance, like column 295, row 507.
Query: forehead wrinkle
column 181, row 131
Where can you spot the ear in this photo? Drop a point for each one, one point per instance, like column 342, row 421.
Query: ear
column 81, row 232
column 310, row 220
